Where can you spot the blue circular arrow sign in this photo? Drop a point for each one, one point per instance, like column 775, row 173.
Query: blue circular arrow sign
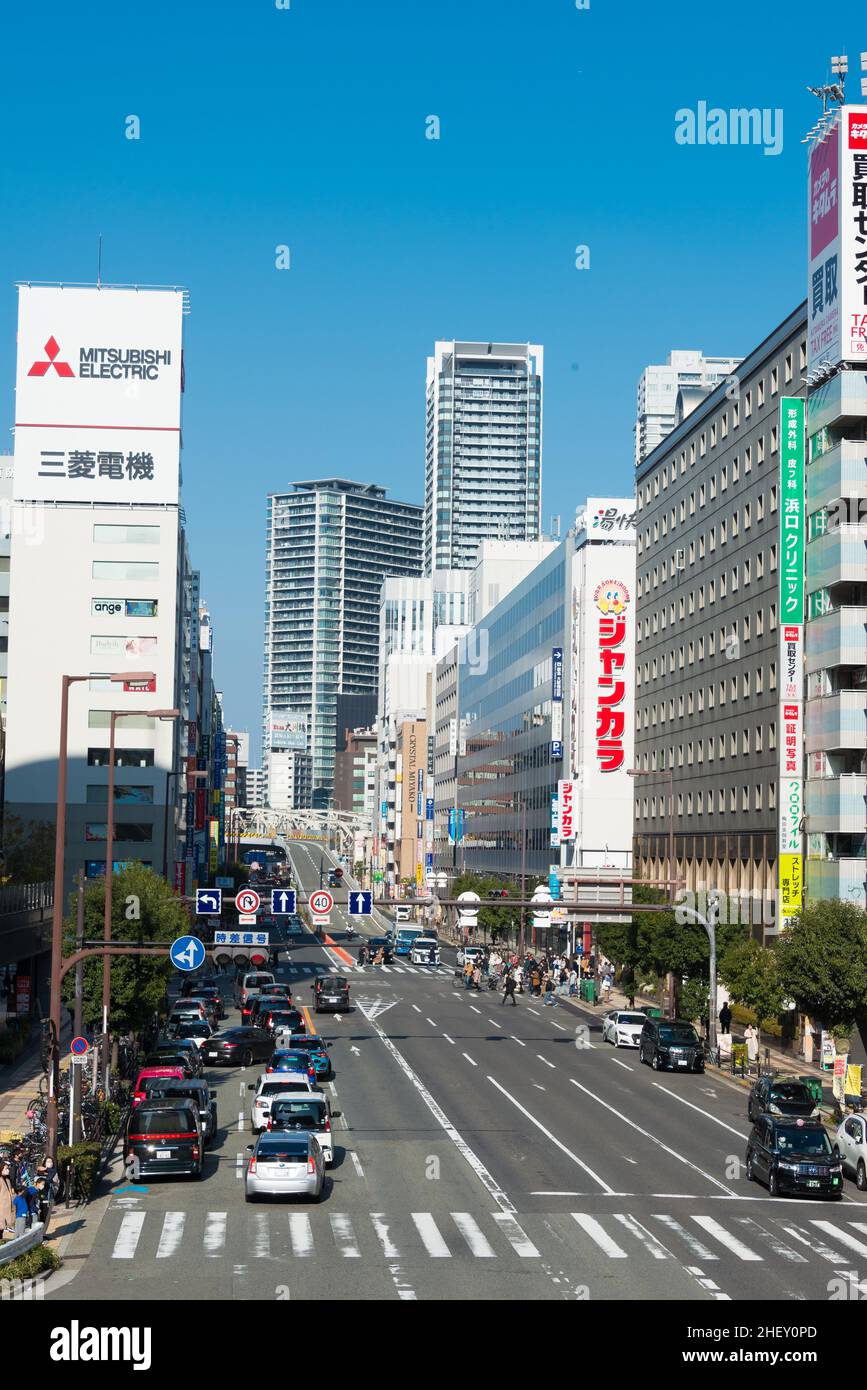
column 187, row 953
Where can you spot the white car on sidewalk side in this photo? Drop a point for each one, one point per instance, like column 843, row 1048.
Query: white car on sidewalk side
column 850, row 1142
column 622, row 1027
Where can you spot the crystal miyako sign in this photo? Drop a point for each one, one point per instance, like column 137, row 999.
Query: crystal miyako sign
column 790, row 721
column 98, row 395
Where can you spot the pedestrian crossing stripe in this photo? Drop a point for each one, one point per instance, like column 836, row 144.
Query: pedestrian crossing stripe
column 308, row 969
column 618, row 1235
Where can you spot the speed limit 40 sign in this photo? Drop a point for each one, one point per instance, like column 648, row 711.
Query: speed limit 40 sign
column 321, row 902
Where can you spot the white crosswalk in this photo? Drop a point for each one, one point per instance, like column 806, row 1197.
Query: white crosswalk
column 272, row 1234
column 277, row 1233
column 305, row 968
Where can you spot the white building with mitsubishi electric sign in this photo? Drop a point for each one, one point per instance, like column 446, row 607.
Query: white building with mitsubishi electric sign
column 102, row 575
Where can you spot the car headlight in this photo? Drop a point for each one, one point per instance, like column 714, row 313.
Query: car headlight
column 836, row 1168
column 774, row 1109
column 815, row 1113
column 788, row 1167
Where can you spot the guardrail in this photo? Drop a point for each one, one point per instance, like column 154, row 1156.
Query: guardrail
column 11, row 1249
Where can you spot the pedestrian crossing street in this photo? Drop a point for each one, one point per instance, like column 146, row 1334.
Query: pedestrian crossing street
column 308, row 969
column 281, row 1232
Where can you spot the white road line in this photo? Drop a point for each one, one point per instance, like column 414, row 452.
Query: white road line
column 474, row 1009
column 725, row 1238
column 817, row 1246
column 545, row 1060
column 597, row 1232
column 706, row 1113
column 261, row 1236
column 625, row 1065
column 240, row 1121
column 128, row 1235
column 430, row 1236
column 657, row 1250
column 239, row 1165
column 693, row 1242
column 356, row 1163
column 778, row 1246
column 554, row 1140
column 842, row 1236
column 398, row 969
column 713, row 1289
column 215, row 1233
column 380, row 1226
column 475, row 1238
column 448, row 1039
column 469, row 1059
column 341, row 1226
column 517, row 1040
column 430, row 1021
column 417, row 1009
column 533, row 1011
column 405, row 1292
column 171, row 1234
column 495, row 1023
column 242, row 1089
column 560, row 1026
column 300, row 1234
column 653, row 1139
column 516, row 1236
column 463, row 1148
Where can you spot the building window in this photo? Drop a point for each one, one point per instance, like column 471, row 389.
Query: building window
column 761, row 391
column 788, row 368
column 736, row 415
column 748, row 405
column 123, row 757
column 126, row 535
column 119, row 570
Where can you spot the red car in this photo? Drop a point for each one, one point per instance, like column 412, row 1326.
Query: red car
column 151, row 1074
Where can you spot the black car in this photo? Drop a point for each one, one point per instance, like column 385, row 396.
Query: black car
column 163, row 1137
column 170, row 1059
column 262, row 1004
column 174, row 1047
column 211, row 998
column 282, row 1019
column 784, row 1096
column 671, row 1043
column 198, row 1092
column 793, row 1156
column 238, row 1047
column 330, row 993
column 385, row 942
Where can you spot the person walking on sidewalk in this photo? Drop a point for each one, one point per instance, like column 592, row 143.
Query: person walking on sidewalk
column 21, row 1211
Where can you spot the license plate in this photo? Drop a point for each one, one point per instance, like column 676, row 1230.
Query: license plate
column 213, row 1054
column 164, row 1153
column 681, row 1061
column 814, row 1183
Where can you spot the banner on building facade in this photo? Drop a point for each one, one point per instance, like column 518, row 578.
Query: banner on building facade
column 790, row 722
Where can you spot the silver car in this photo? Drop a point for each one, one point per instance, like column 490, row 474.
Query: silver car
column 285, row 1165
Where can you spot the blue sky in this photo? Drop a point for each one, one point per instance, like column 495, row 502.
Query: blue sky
column 306, row 127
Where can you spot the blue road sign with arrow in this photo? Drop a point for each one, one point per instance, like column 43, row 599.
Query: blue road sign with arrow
column 209, row 900
column 282, row 902
column 187, row 953
column 361, row 903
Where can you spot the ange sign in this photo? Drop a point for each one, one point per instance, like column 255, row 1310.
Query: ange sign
column 321, row 902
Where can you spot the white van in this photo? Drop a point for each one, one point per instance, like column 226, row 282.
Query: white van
column 420, row 951
column 403, row 912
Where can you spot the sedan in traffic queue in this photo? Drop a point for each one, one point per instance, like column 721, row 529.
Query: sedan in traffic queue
column 331, row 994
column 199, row 1093
column 163, row 1137
column 622, row 1027
column 291, row 1059
column 850, row 1146
column 285, row 1165
column 196, row 1030
column 155, row 1061
column 282, row 1020
column 316, row 1049
column 312, row 1114
column 278, row 1083
column 793, row 1156
column 261, row 1003
column 180, row 1047
column 238, row 1047
column 782, row 1095
column 210, row 996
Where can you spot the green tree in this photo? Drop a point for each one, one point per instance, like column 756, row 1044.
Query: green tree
column 752, row 977
column 494, row 921
column 822, row 962
column 144, row 909
column 28, row 850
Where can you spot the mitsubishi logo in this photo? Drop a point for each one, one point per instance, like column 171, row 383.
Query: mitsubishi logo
column 62, row 368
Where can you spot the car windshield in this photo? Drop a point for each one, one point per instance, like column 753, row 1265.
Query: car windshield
column 813, row 1141
column 193, row 1030
column 684, row 1034
column 167, row 1122
column 283, row 1151
column 187, row 1092
column 284, row 1016
column 339, row 982
column 290, row 1061
column 640, row 1019
column 791, row 1093
column 273, row 1088
column 291, row 1114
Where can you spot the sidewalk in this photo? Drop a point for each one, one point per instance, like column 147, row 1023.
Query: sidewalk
column 19, row 1083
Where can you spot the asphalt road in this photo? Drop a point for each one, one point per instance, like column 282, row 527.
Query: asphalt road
column 483, row 1151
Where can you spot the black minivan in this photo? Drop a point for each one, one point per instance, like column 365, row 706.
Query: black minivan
column 793, row 1156
column 164, row 1137
column 671, row 1043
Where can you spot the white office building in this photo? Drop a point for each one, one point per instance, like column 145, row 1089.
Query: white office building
column 483, row 449
column 668, row 393
column 100, row 564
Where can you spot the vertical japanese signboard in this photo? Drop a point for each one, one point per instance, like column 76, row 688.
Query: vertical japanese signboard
column 837, row 243
column 557, row 704
column 790, row 724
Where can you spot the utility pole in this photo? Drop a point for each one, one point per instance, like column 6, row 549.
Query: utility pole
column 523, row 869
column 79, row 944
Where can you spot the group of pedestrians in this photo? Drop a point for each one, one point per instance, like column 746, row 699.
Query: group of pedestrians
column 553, row 976
column 25, row 1195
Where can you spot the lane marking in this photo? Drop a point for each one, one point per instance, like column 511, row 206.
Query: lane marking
column 356, row 1163
column 469, row 1059
column 737, row 1247
column 239, row 1165
column 538, row 1087
column 417, row 1009
column 706, row 1283
column 474, row 1009
column 240, row 1121
column 344, row 1236
column 171, row 1234
column 553, row 1138
column 261, row 1236
column 472, row 1234
column 215, row 1232
column 300, row 1234
column 463, row 1148
column 778, row 1246
column 448, row 1039
column 128, row 1235
column 844, row 1237
column 653, row 1139
column 649, row 1241
column 517, row 1040
column 495, row 1023
column 625, row 1065
column 516, row 1236
column 701, row 1111
column 560, row 1026
column 430, row 1235
column 597, row 1232
column 430, row 1021
column 380, row 1226
column 693, row 1242
column 545, row 1060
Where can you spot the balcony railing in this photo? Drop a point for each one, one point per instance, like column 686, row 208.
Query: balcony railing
column 836, row 639
column 842, row 472
column 837, row 804
column 838, row 878
column 837, row 721
column 840, row 556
